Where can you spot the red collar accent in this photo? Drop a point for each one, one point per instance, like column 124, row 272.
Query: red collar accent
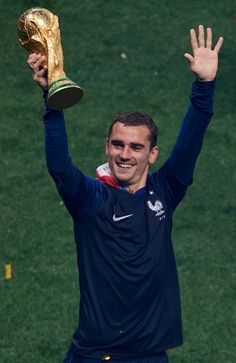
column 103, row 174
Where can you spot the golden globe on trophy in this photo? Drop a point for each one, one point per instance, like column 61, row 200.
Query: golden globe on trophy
column 39, row 32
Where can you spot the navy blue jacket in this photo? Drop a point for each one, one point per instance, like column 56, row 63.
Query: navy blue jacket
column 129, row 290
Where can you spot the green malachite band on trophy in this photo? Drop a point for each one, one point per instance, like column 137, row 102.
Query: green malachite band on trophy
column 63, row 93
column 59, row 80
column 64, row 85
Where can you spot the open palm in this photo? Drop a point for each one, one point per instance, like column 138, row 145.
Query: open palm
column 204, row 61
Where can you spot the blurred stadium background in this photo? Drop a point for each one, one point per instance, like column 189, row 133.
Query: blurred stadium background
column 127, row 55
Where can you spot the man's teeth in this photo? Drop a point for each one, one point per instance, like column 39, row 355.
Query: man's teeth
column 126, row 166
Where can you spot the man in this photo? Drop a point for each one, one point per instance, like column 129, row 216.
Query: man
column 130, row 305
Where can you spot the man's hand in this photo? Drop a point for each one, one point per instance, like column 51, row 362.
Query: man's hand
column 204, row 61
column 37, row 65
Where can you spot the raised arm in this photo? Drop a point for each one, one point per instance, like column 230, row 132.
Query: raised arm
column 179, row 167
column 77, row 190
column 55, row 131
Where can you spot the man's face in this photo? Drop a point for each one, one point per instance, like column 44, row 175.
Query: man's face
column 129, row 155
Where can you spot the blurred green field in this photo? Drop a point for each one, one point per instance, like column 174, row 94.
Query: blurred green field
column 39, row 306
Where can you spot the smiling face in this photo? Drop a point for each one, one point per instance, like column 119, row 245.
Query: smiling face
column 129, row 154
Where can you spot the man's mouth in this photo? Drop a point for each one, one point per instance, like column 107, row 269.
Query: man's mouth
column 124, row 165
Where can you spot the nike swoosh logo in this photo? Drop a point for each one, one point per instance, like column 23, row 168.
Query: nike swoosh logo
column 116, row 219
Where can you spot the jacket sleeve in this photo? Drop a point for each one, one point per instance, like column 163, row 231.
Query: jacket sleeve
column 177, row 172
column 76, row 189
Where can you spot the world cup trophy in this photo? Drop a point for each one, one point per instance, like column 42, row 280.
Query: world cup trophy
column 39, row 32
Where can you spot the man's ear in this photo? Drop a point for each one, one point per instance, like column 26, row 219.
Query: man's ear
column 153, row 155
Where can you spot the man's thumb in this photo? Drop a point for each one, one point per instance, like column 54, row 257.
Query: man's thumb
column 189, row 57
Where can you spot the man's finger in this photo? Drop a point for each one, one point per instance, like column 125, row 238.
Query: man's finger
column 189, row 57
column 218, row 44
column 193, row 39
column 41, row 73
column 39, row 63
column 32, row 59
column 209, row 38
column 201, row 40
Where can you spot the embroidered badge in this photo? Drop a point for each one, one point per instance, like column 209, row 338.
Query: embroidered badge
column 157, row 207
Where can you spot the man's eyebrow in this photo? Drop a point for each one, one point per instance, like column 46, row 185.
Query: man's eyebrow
column 117, row 142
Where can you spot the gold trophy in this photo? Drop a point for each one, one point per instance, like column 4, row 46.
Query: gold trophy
column 39, row 32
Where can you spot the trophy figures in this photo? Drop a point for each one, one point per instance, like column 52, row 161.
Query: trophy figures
column 39, row 32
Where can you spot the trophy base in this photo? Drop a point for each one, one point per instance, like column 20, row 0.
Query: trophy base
column 63, row 93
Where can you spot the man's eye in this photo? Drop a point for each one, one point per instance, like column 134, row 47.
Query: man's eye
column 117, row 144
column 137, row 147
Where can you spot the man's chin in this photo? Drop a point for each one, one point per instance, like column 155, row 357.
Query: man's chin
column 123, row 180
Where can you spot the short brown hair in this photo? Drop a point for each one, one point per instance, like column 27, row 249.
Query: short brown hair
column 136, row 118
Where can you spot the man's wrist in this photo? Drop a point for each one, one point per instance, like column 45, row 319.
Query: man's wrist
column 205, row 79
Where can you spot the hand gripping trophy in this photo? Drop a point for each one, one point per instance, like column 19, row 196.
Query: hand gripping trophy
column 39, row 32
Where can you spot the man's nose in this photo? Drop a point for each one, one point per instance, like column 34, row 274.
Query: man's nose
column 125, row 153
